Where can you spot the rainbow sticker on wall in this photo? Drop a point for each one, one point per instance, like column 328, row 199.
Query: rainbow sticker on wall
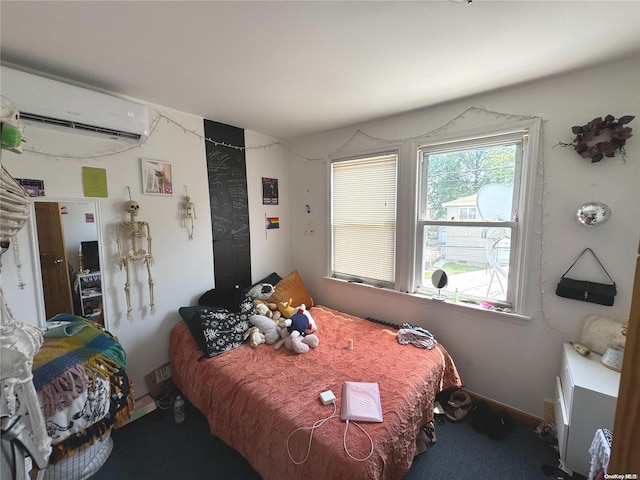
column 272, row 222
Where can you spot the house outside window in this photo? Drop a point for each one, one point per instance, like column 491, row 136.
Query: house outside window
column 464, row 205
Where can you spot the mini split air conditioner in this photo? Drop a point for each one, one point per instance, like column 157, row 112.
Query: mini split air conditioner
column 49, row 103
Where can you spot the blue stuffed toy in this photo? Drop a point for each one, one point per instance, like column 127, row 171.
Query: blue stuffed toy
column 299, row 323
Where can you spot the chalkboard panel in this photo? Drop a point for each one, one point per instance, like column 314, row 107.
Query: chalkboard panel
column 226, row 169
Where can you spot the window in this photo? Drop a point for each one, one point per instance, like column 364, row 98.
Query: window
column 462, row 205
column 472, row 210
column 467, row 213
column 363, row 219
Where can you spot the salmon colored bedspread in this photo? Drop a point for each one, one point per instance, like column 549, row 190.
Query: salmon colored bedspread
column 254, row 398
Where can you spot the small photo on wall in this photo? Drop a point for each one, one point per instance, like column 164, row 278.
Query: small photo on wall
column 269, row 191
column 157, row 177
column 34, row 188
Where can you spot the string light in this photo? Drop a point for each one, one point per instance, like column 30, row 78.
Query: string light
column 541, row 262
column 284, row 146
column 354, row 135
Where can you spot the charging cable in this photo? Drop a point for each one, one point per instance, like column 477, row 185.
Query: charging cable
column 313, row 427
column 327, row 398
column 345, row 442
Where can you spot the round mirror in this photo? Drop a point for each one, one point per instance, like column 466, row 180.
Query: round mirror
column 439, row 280
column 592, row 214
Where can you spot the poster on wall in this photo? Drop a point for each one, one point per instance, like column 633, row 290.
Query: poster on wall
column 157, row 178
column 34, row 188
column 94, row 182
column 269, row 191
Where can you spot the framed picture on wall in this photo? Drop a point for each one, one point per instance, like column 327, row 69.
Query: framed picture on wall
column 269, row 191
column 157, row 178
column 34, row 188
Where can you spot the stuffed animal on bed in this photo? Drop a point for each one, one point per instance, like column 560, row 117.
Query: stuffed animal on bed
column 267, row 327
column 255, row 336
column 286, row 309
column 258, row 295
column 300, row 322
column 297, row 343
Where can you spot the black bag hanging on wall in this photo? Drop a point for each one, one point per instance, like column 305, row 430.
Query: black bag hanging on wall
column 592, row 292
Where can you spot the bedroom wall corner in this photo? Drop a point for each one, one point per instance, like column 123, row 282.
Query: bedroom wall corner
column 511, row 363
column 183, row 268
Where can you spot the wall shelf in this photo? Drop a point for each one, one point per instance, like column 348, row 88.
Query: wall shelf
column 89, row 288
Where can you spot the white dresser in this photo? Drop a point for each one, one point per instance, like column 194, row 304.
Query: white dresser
column 586, row 396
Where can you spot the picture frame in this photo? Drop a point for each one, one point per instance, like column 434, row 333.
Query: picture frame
column 269, row 191
column 157, row 177
column 34, row 188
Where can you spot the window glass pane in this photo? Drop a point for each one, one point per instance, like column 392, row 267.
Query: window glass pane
column 453, row 180
column 476, row 259
column 364, row 218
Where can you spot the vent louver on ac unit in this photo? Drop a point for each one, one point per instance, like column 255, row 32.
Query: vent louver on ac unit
column 49, row 103
column 56, row 122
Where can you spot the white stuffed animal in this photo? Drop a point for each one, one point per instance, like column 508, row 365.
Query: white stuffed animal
column 256, row 337
column 266, row 326
column 296, row 342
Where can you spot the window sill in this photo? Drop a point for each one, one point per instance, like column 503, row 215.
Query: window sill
column 462, row 307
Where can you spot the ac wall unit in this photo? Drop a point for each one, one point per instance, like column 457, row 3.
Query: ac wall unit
column 49, row 103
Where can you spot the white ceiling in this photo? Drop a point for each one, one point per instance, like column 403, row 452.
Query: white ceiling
column 291, row 69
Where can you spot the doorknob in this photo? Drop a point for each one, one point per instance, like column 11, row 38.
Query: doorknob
column 58, row 261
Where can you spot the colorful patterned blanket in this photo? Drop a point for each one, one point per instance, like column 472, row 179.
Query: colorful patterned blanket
column 63, row 364
column 82, row 386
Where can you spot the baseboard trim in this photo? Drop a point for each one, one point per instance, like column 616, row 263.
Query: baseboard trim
column 518, row 415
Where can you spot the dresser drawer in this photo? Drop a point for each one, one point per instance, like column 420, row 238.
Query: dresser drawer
column 562, row 419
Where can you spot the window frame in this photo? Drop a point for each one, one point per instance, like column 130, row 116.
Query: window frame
column 388, row 150
column 522, row 201
column 408, row 208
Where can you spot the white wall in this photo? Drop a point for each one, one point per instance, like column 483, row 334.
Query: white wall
column 513, row 363
column 183, row 269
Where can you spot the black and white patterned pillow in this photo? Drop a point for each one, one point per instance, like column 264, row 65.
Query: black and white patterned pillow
column 224, row 330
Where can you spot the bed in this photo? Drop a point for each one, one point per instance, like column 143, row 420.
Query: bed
column 254, row 398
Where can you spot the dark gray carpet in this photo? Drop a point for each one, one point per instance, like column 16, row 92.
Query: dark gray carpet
column 154, row 447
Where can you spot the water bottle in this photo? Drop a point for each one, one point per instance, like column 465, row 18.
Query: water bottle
column 178, row 409
column 456, row 296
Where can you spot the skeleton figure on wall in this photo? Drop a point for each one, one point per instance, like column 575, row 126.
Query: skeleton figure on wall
column 188, row 215
column 130, row 237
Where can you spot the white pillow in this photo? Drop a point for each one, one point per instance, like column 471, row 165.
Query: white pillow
column 599, row 332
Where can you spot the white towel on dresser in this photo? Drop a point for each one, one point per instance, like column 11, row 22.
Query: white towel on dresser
column 600, row 452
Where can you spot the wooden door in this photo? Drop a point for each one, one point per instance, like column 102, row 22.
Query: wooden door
column 625, row 450
column 53, row 260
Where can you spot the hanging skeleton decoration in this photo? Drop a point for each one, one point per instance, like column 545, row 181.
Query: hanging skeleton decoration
column 188, row 215
column 22, row 435
column 134, row 233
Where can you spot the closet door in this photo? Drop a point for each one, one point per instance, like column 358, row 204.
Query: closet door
column 53, row 259
column 625, row 451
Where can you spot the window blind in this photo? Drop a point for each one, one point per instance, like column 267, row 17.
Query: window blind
column 364, row 218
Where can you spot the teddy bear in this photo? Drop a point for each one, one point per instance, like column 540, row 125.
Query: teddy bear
column 267, row 327
column 255, row 336
column 268, row 310
column 297, row 343
column 259, row 295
